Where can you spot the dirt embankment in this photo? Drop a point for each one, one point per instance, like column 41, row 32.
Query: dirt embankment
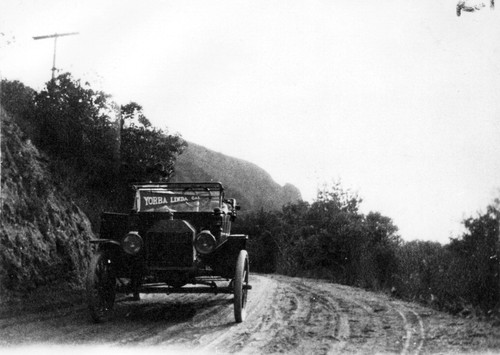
column 285, row 315
column 43, row 235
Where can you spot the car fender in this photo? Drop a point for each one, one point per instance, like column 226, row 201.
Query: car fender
column 113, row 247
column 104, row 241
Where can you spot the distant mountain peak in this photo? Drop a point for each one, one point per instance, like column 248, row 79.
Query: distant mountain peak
column 252, row 186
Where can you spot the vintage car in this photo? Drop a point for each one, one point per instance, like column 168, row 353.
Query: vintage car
column 177, row 234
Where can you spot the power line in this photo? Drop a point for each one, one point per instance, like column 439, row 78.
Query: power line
column 55, row 36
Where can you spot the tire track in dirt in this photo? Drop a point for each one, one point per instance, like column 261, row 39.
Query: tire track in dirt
column 328, row 327
column 415, row 333
column 293, row 319
column 291, row 308
column 261, row 316
column 375, row 321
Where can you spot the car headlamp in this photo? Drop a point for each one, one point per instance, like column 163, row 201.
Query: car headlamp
column 132, row 243
column 205, row 242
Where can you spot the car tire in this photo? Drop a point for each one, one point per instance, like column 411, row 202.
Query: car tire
column 101, row 287
column 241, row 286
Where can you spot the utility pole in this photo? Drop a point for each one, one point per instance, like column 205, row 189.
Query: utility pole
column 1, row 157
column 55, row 36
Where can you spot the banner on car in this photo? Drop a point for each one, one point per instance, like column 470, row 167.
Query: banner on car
column 150, row 201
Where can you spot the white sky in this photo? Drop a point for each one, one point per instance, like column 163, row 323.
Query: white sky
column 400, row 99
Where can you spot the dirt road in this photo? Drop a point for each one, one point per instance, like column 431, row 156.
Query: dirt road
column 285, row 315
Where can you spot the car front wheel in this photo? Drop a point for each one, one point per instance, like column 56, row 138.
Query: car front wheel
column 241, row 286
column 101, row 287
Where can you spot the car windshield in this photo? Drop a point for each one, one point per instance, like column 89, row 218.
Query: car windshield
column 181, row 198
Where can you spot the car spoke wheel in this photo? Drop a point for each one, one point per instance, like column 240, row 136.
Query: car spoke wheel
column 241, row 286
column 101, row 287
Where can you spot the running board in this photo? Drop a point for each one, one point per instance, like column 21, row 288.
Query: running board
column 168, row 290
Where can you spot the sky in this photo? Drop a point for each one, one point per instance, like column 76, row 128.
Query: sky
column 399, row 100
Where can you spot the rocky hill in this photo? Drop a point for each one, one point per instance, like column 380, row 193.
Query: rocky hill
column 44, row 236
column 251, row 185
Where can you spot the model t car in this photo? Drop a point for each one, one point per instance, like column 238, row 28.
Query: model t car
column 176, row 239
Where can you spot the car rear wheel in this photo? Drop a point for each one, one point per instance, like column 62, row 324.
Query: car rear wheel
column 101, row 287
column 241, row 286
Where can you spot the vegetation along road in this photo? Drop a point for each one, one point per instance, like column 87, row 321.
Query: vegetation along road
column 285, row 315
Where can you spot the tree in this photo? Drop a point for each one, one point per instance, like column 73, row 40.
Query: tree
column 339, row 231
column 76, row 123
column 263, row 227
column 381, row 242
column 17, row 98
column 80, row 126
column 477, row 249
column 144, row 146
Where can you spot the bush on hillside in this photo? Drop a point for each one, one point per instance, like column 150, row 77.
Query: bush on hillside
column 329, row 238
column 19, row 101
column 459, row 277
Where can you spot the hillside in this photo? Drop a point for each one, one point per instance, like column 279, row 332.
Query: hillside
column 43, row 234
column 251, row 185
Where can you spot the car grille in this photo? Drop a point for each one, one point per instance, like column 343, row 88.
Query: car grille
column 169, row 244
